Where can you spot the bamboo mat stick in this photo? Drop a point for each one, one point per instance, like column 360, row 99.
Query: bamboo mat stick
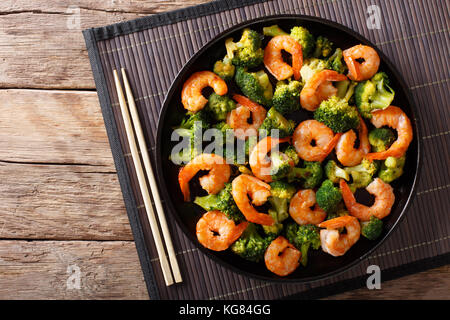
column 151, row 179
column 143, row 184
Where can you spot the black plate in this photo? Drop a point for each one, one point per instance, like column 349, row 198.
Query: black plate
column 320, row 264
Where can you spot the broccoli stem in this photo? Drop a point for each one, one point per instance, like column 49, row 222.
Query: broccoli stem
column 274, row 31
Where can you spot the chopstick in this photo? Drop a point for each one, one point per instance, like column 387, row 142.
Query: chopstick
column 165, row 266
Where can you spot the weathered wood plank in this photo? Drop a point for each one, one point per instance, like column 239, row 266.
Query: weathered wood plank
column 61, row 202
column 47, row 270
column 41, row 44
column 53, row 127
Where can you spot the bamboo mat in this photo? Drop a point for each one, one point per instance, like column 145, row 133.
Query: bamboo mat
column 414, row 35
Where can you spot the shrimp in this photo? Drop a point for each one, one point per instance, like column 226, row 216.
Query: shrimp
column 319, row 88
column 259, row 161
column 313, row 130
column 244, row 186
column 345, row 150
column 273, row 59
column 281, row 257
column 359, row 71
column 191, row 95
column 335, row 243
column 216, row 232
column 238, row 118
column 384, row 200
column 213, row 182
column 300, row 208
column 395, row 118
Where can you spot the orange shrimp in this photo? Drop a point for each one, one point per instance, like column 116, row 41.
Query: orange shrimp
column 244, row 186
column 216, row 232
column 345, row 150
column 364, row 70
column 281, row 257
column 312, row 130
column 335, row 243
column 260, row 163
column 384, row 200
column 395, row 118
column 237, row 119
column 273, row 59
column 300, row 208
column 318, row 88
column 191, row 95
column 213, row 182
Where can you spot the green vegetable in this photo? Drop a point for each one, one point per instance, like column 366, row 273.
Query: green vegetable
column 337, row 114
column 373, row 94
column 303, row 237
column 292, row 154
column 323, row 48
column 286, row 98
column 275, row 121
column 247, row 52
column 223, row 201
column 335, row 62
column 340, row 212
column 305, row 38
column 273, row 31
column 228, row 151
column 334, row 173
column 372, row 229
column 391, row 169
column 281, row 165
column 251, row 245
column 255, row 85
column 219, row 106
column 310, row 175
column 328, row 196
column 362, row 174
column 281, row 194
column 381, row 139
column 224, row 69
column 310, row 67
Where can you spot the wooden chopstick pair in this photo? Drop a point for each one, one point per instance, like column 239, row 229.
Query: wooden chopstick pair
column 129, row 123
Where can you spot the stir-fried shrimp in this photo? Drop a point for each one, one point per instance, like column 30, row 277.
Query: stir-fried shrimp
column 359, row 71
column 281, row 257
column 312, row 130
column 191, row 95
column 395, row 118
column 245, row 186
column 238, row 118
column 319, row 88
column 300, row 208
column 259, row 161
column 384, row 200
column 213, row 182
column 216, row 232
column 273, row 59
column 335, row 243
column 346, row 153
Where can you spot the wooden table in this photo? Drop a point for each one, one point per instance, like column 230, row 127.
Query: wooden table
column 61, row 208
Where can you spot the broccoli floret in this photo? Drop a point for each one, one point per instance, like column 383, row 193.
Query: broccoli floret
column 224, row 69
column 340, row 212
column 219, row 106
column 328, row 196
column 337, row 114
column 334, row 173
column 281, row 165
column 373, row 94
column 310, row 175
column 281, row 193
column 275, row 121
column 273, row 31
column 255, row 85
column 362, row 174
column 381, row 139
column 372, row 229
column 291, row 153
column 274, row 229
column 310, row 67
column 305, row 38
column 335, row 62
column 251, row 245
column 222, row 201
column 324, row 47
column 391, row 169
column 303, row 237
column 247, row 52
column 286, row 98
